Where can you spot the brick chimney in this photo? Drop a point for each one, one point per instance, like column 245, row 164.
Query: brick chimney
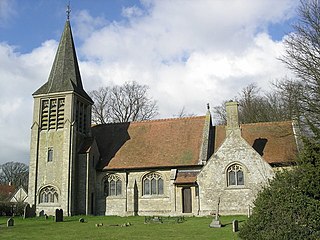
column 232, row 118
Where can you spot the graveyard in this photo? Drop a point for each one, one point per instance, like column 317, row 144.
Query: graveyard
column 109, row 227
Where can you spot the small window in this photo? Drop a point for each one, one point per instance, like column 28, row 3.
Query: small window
column 235, row 175
column 153, row 184
column 50, row 155
column 113, row 185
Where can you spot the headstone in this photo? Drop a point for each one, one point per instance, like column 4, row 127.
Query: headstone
column 249, row 211
column 41, row 213
column 10, row 222
column 59, row 215
column 29, row 211
column 235, row 225
column 46, row 216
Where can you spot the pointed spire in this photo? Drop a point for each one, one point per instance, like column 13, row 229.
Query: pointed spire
column 65, row 74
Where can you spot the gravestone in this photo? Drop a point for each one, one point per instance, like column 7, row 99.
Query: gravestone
column 235, row 225
column 10, row 222
column 41, row 213
column 29, row 211
column 59, row 215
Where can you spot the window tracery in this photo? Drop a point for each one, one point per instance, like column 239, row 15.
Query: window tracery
column 235, row 175
column 113, row 185
column 153, row 184
column 48, row 194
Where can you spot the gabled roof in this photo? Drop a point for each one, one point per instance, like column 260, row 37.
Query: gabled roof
column 150, row 144
column 19, row 196
column 65, row 74
column 274, row 141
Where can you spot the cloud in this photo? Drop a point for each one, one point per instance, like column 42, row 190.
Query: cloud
column 189, row 54
column 21, row 75
column 6, row 11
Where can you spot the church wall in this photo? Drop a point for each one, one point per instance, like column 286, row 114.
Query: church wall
column 132, row 201
column 212, row 180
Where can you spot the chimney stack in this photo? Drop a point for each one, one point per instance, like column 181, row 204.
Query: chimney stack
column 232, row 118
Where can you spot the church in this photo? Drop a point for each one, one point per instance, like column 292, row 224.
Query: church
column 180, row 166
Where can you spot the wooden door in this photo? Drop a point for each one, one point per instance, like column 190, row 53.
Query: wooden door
column 186, row 200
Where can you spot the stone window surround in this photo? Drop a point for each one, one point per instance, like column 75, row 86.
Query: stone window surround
column 50, row 154
column 245, row 176
column 116, row 178
column 159, row 192
column 54, row 191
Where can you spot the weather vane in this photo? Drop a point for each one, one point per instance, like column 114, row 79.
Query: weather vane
column 68, row 11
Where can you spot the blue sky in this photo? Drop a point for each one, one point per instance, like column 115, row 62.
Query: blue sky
column 189, row 52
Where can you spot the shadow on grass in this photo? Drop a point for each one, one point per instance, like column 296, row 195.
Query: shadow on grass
column 230, row 223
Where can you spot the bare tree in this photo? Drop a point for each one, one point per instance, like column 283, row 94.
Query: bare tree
column 14, row 173
column 183, row 113
column 126, row 103
column 303, row 58
column 255, row 106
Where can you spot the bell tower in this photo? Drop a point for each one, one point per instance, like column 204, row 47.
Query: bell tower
column 61, row 124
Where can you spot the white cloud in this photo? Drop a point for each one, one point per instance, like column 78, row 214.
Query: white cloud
column 190, row 53
column 21, row 75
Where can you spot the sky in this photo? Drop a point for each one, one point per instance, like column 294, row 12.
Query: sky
column 189, row 52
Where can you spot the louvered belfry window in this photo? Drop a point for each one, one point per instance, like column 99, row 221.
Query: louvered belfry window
column 52, row 114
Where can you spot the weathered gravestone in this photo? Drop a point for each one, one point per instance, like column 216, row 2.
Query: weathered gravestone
column 29, row 211
column 10, row 222
column 59, row 215
column 41, row 213
column 235, row 225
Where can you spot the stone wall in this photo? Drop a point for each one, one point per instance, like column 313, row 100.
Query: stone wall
column 132, row 201
column 212, row 180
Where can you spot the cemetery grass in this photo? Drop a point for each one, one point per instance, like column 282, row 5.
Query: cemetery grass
column 192, row 228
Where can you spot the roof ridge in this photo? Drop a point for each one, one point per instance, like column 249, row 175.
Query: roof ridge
column 151, row 120
column 267, row 123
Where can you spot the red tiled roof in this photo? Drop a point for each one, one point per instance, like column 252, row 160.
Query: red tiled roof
column 275, row 141
column 158, row 143
column 6, row 191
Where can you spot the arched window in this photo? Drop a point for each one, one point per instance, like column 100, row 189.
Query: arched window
column 235, row 175
column 48, row 194
column 153, row 184
column 112, row 185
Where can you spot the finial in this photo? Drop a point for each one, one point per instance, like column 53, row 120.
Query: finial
column 208, row 106
column 68, row 11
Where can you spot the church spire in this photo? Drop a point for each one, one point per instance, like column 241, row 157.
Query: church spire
column 65, row 75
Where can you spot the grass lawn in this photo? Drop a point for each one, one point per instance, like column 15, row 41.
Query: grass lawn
column 192, row 228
